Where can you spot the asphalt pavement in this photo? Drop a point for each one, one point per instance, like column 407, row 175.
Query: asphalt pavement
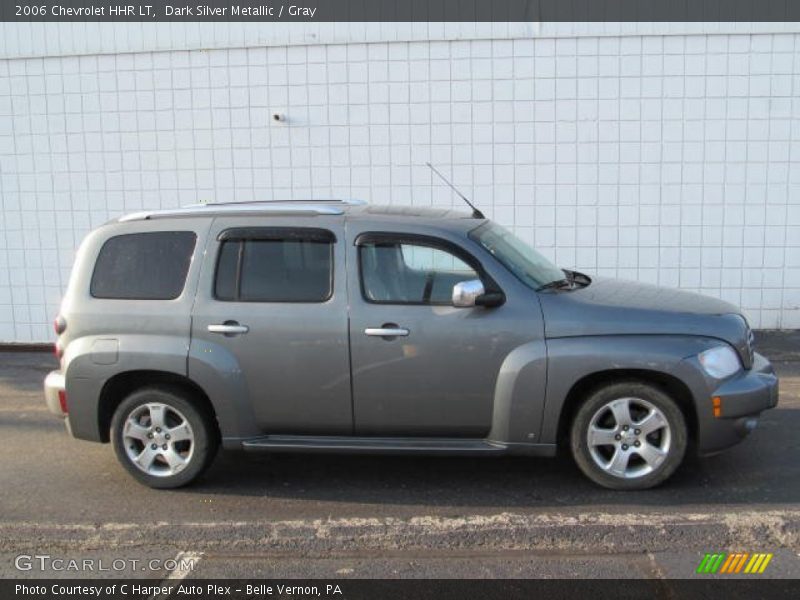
column 378, row 516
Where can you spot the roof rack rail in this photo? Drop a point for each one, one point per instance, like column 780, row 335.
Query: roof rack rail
column 273, row 207
column 348, row 201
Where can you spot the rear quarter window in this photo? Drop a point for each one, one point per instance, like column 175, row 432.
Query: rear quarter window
column 143, row 266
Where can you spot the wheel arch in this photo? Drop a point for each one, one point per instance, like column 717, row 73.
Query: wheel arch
column 121, row 385
column 670, row 384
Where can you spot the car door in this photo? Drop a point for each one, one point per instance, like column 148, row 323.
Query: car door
column 269, row 325
column 420, row 366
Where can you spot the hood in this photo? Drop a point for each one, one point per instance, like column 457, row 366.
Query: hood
column 618, row 307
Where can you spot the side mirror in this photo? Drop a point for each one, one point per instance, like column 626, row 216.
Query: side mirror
column 491, row 299
column 466, row 293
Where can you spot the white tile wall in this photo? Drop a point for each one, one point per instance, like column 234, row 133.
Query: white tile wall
column 25, row 40
column 669, row 159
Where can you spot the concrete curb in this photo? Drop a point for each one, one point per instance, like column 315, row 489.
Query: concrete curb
column 780, row 345
column 26, row 347
column 569, row 533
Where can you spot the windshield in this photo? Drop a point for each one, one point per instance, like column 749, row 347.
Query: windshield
column 533, row 269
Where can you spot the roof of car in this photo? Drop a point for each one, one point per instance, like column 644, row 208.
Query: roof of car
column 351, row 208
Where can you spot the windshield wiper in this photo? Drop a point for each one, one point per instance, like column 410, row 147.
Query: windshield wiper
column 566, row 282
column 557, row 284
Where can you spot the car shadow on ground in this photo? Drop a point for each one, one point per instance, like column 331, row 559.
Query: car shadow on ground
column 762, row 470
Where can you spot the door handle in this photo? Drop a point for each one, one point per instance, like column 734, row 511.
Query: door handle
column 393, row 331
column 229, row 328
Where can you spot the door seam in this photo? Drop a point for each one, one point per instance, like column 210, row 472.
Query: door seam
column 346, row 237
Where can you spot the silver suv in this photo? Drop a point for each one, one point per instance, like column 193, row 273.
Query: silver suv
column 343, row 327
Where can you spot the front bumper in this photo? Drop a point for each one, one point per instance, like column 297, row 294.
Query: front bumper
column 742, row 398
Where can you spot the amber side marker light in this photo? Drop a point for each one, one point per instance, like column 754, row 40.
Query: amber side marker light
column 716, row 403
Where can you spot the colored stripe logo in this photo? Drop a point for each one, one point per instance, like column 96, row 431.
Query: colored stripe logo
column 736, row 562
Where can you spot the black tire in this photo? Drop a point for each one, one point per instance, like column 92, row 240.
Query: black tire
column 638, row 391
column 204, row 444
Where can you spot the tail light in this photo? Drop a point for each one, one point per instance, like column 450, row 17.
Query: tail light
column 60, row 325
column 62, row 401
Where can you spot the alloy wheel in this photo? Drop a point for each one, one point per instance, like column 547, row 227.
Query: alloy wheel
column 629, row 437
column 158, row 439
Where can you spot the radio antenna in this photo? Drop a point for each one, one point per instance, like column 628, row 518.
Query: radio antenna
column 476, row 214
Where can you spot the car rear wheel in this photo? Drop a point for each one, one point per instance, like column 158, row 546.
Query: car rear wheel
column 628, row 436
column 162, row 438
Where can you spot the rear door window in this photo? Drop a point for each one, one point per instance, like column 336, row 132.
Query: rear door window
column 275, row 265
column 143, row 266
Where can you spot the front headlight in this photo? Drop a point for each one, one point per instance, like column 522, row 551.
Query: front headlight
column 720, row 362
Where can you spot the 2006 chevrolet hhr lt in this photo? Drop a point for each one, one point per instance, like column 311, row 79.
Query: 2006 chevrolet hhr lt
column 342, row 327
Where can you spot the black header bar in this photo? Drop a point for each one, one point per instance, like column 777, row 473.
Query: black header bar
column 399, row 10
column 735, row 588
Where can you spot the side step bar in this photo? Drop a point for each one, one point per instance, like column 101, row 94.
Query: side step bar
column 370, row 445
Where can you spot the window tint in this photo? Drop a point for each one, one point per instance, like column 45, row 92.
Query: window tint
column 143, row 266
column 275, row 270
column 401, row 273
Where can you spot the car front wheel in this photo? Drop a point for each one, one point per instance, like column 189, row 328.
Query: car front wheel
column 162, row 438
column 628, row 436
